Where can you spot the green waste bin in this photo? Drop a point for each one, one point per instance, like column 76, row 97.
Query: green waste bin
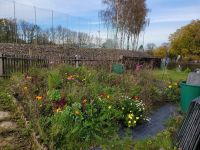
column 118, row 68
column 188, row 93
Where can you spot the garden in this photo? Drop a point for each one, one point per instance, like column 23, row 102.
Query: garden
column 83, row 108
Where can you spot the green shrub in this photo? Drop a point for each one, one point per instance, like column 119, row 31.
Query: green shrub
column 54, row 95
column 6, row 103
column 187, row 70
column 133, row 111
column 171, row 92
column 75, row 128
column 54, row 80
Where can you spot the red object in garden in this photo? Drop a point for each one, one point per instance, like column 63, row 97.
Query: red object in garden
column 62, row 102
column 27, row 77
column 59, row 104
column 71, row 77
column 135, row 97
column 138, row 67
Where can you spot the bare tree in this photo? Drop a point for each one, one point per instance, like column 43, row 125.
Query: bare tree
column 127, row 16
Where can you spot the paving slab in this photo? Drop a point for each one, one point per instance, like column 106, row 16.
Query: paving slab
column 4, row 115
column 6, row 126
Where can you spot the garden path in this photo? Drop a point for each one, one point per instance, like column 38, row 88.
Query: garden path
column 7, row 126
column 10, row 133
column 156, row 124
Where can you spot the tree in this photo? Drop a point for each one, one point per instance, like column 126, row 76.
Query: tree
column 186, row 40
column 109, row 43
column 151, row 46
column 126, row 16
column 160, row 52
column 29, row 33
column 7, row 31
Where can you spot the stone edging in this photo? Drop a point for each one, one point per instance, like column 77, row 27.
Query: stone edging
column 39, row 145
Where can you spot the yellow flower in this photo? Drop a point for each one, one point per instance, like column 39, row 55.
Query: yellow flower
column 108, row 97
column 134, row 122
column 25, row 88
column 170, row 86
column 58, row 110
column 84, row 101
column 38, row 98
column 129, row 122
column 109, row 107
column 77, row 112
column 137, row 118
column 130, row 116
column 175, row 84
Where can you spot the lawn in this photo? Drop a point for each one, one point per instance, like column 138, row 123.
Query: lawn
column 172, row 75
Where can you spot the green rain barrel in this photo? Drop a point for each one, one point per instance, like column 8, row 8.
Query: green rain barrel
column 118, row 68
column 188, row 93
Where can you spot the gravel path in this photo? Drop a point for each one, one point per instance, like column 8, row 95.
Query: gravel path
column 156, row 124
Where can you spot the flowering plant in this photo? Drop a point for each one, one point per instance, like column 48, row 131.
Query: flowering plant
column 171, row 91
column 133, row 110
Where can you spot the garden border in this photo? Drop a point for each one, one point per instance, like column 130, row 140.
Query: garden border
column 20, row 109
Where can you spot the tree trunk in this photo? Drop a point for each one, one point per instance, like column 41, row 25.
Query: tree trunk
column 128, row 39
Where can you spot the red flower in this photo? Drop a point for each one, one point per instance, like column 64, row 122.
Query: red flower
column 136, row 97
column 27, row 77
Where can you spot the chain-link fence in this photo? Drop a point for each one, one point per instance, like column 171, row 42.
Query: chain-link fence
column 23, row 24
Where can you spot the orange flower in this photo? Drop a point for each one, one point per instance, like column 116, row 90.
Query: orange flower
column 84, row 101
column 58, row 110
column 70, row 77
column 38, row 98
column 136, row 97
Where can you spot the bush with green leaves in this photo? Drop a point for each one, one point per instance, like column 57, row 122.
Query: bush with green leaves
column 171, row 92
column 82, row 126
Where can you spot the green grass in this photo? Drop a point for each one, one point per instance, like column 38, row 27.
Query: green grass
column 170, row 75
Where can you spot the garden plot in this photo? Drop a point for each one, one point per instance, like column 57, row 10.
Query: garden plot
column 73, row 108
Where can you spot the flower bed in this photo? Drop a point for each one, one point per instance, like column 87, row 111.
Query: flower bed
column 73, row 108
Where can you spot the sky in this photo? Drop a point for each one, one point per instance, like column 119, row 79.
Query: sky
column 166, row 16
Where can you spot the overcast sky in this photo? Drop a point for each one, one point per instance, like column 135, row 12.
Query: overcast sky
column 165, row 16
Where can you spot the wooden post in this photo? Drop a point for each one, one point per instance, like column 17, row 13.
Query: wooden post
column 77, row 60
column 1, row 65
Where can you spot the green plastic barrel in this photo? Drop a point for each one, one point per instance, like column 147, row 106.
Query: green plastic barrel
column 118, row 68
column 188, row 93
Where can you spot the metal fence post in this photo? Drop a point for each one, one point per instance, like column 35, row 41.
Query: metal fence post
column 35, row 17
column 52, row 24
column 15, row 21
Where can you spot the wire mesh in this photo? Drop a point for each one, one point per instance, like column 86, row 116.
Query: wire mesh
column 33, row 25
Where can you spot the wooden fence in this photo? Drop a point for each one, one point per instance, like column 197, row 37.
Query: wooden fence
column 14, row 63
column 21, row 63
